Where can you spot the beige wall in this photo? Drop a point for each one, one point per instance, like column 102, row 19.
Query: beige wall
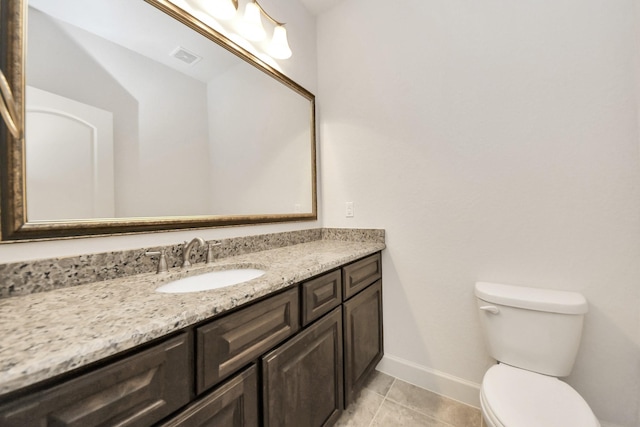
column 498, row 141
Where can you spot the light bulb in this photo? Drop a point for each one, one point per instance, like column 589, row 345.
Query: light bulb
column 279, row 47
column 251, row 26
column 221, row 9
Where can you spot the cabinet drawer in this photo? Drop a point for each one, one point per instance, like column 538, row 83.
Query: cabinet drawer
column 360, row 274
column 233, row 404
column 137, row 391
column 321, row 295
column 231, row 342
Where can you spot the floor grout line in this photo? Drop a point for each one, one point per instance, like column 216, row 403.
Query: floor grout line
column 377, row 411
column 390, row 387
column 426, row 415
column 417, row 411
column 384, row 397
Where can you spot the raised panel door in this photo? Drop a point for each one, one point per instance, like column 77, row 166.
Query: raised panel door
column 303, row 378
column 363, row 340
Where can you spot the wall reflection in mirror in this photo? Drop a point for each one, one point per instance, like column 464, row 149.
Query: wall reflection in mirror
column 130, row 113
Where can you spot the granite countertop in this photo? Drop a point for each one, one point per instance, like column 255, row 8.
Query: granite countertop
column 50, row 333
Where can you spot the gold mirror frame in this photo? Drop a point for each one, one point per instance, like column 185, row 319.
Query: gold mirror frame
column 14, row 225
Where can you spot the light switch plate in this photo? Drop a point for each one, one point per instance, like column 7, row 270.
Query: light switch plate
column 349, row 210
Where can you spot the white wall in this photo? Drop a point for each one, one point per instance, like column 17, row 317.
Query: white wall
column 172, row 159
column 301, row 67
column 143, row 186
column 51, row 50
column 183, row 100
column 493, row 140
column 266, row 155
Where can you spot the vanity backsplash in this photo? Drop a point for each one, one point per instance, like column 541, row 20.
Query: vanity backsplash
column 23, row 278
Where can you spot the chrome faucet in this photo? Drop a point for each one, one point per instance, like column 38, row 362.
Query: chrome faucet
column 187, row 248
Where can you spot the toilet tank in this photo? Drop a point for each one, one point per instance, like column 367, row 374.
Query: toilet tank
column 534, row 329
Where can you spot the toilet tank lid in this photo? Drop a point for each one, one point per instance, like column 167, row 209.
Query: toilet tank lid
column 548, row 300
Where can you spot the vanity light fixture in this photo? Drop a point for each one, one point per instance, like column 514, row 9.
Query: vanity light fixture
column 252, row 29
column 249, row 24
column 279, row 47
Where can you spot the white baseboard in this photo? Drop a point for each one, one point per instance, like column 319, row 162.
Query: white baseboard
column 439, row 382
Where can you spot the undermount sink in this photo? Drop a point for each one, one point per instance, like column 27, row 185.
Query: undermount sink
column 211, row 280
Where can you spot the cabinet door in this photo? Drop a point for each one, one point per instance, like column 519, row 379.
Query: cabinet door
column 233, row 404
column 360, row 274
column 232, row 342
column 137, row 391
column 303, row 378
column 363, row 345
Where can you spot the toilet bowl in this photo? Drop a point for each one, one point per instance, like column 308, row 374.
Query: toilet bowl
column 514, row 397
column 534, row 334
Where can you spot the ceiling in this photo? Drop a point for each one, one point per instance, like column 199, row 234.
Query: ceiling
column 319, row 6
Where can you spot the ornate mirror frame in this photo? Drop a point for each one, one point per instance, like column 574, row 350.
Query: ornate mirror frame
column 14, row 225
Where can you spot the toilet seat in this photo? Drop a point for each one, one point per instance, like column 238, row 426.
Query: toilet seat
column 514, row 397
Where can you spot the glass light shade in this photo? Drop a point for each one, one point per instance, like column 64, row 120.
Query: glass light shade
column 279, row 47
column 251, row 26
column 221, row 9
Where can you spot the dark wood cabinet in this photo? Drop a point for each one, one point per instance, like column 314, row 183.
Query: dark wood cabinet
column 233, row 404
column 302, row 380
column 253, row 367
column 320, row 296
column 360, row 274
column 363, row 343
column 137, row 391
column 233, row 341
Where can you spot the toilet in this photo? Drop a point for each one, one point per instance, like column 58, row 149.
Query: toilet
column 534, row 334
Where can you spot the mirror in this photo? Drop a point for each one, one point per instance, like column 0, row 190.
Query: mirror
column 139, row 117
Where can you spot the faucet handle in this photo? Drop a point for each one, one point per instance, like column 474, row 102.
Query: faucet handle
column 162, row 261
column 210, row 246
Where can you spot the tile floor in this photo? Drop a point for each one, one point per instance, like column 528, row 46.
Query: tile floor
column 389, row 402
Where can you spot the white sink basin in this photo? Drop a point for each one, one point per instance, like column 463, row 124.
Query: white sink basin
column 212, row 280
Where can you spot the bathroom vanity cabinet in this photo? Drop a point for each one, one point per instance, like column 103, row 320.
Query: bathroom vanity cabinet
column 296, row 358
column 362, row 295
column 135, row 391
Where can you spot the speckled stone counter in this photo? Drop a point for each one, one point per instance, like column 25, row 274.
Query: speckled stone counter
column 50, row 333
